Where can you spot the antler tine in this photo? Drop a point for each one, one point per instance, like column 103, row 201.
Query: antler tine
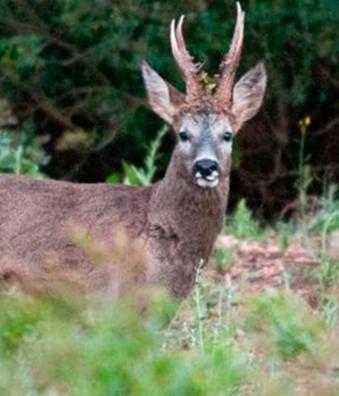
column 182, row 45
column 238, row 36
column 184, row 60
column 230, row 62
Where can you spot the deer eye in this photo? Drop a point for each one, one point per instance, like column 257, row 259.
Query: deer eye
column 184, row 136
column 227, row 136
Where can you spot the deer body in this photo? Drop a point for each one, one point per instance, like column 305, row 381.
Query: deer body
column 34, row 215
column 175, row 220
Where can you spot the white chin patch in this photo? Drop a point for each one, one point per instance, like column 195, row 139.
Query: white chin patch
column 207, row 184
column 209, row 181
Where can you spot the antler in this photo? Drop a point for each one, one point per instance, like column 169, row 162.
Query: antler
column 190, row 70
column 230, row 62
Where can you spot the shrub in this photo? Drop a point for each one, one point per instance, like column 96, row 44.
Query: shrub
column 73, row 70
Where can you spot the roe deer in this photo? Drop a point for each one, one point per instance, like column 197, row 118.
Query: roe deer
column 177, row 219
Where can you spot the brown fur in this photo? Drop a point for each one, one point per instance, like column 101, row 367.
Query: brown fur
column 175, row 220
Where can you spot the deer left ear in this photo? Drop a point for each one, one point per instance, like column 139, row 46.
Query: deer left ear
column 248, row 94
column 163, row 98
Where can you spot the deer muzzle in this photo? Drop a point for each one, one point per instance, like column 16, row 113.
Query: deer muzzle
column 206, row 173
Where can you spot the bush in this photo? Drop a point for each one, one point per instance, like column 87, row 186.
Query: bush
column 22, row 157
column 291, row 335
column 73, row 70
column 62, row 348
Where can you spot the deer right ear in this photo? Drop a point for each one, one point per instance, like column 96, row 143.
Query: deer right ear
column 248, row 94
column 163, row 98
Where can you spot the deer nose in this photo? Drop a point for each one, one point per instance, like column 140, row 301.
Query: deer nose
column 206, row 167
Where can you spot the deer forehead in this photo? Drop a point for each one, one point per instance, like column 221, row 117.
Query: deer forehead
column 198, row 123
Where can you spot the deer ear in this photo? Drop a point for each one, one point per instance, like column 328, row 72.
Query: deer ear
column 248, row 94
column 162, row 96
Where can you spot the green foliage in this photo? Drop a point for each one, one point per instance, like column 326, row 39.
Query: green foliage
column 20, row 150
column 305, row 178
column 223, row 259
column 317, row 225
column 52, row 346
column 223, row 340
column 264, row 331
column 327, row 218
column 98, row 352
column 22, row 157
column 284, row 234
column 291, row 334
column 241, row 223
column 144, row 176
column 73, row 70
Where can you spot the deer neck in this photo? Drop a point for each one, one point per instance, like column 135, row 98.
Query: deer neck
column 192, row 213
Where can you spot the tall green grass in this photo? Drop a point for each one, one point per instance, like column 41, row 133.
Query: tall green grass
column 217, row 344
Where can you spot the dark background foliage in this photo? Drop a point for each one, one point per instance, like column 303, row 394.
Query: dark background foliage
column 70, row 71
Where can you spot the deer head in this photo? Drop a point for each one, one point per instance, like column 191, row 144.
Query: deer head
column 206, row 122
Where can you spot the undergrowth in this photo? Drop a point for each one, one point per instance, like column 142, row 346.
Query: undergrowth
column 223, row 340
column 219, row 343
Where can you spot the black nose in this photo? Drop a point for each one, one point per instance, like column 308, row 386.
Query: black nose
column 205, row 167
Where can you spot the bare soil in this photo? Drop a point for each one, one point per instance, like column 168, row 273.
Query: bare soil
column 263, row 264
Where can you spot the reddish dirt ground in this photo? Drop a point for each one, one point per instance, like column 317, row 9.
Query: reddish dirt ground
column 263, row 264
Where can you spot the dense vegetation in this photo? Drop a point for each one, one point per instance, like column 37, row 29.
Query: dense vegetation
column 224, row 340
column 263, row 318
column 70, row 75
